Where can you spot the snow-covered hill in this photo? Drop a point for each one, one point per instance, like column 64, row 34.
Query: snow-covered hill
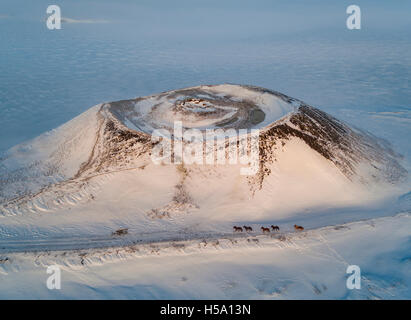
column 73, row 187
column 300, row 149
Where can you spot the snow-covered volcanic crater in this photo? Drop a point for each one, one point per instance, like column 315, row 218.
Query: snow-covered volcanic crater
column 95, row 173
column 205, row 107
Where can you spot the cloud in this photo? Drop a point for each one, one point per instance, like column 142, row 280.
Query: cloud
column 70, row 20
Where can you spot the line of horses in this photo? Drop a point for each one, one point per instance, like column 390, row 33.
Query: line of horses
column 264, row 229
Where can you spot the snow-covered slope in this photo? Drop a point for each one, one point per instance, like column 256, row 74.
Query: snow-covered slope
column 307, row 265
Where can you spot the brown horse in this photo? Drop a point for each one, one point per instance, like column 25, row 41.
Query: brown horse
column 248, row 229
column 265, row 230
column 298, row 228
column 275, row 228
column 237, row 229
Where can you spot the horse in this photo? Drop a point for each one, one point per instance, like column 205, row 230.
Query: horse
column 265, row 230
column 237, row 229
column 298, row 228
column 275, row 228
column 248, row 229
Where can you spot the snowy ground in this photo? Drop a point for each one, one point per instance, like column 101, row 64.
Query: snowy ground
column 309, row 264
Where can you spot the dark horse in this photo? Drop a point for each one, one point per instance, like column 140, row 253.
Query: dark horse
column 275, row 228
column 237, row 229
column 265, row 230
column 248, row 229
